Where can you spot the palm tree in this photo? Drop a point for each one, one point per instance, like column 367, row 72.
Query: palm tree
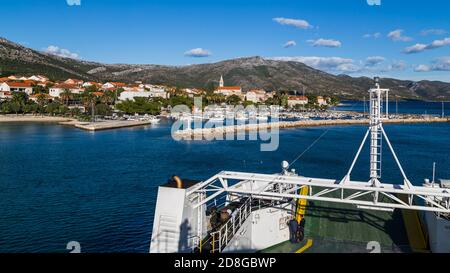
column 66, row 95
column 108, row 97
column 41, row 100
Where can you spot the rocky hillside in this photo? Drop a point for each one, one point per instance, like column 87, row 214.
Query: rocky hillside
column 252, row 72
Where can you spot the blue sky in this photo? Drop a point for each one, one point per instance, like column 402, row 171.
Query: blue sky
column 347, row 36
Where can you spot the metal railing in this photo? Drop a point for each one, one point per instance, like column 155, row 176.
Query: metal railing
column 220, row 238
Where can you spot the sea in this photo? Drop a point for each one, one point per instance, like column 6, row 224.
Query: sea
column 59, row 184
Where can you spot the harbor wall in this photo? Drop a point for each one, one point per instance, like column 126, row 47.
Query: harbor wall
column 199, row 133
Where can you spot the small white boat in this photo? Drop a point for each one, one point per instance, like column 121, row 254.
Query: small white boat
column 155, row 120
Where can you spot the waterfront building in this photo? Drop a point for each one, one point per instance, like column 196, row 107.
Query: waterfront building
column 256, row 95
column 58, row 89
column 154, row 93
column 321, row 100
column 25, row 87
column 293, row 101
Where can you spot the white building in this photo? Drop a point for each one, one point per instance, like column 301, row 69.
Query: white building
column 321, row 100
column 130, row 95
column 256, row 96
column 297, row 100
column 17, row 87
column 5, row 95
column 58, row 89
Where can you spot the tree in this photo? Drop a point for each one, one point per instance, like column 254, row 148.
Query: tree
column 63, row 110
column 108, row 97
column 39, row 89
column 233, row 100
column 91, row 88
column 41, row 101
column 140, row 106
column 88, row 99
column 66, row 96
column 52, row 108
column 20, row 97
column 6, row 107
column 102, row 109
column 15, row 107
column 334, row 101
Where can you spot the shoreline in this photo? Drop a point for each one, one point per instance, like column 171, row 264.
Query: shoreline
column 32, row 118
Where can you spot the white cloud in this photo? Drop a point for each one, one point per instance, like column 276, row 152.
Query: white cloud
column 374, row 60
column 374, row 2
column 440, row 64
column 325, row 42
column 415, row 48
column 289, row 44
column 422, row 68
column 73, row 2
column 397, row 35
column 61, row 52
column 433, row 31
column 375, row 35
column 198, row 53
column 422, row 47
column 299, row 23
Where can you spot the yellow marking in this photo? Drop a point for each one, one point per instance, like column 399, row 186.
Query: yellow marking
column 414, row 231
column 308, row 244
column 301, row 205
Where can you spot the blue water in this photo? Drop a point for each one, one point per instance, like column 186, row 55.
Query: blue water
column 59, row 184
column 402, row 107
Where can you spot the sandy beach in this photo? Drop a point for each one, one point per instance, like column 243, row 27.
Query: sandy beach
column 32, row 118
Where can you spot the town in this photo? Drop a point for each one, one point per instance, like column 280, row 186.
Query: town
column 38, row 94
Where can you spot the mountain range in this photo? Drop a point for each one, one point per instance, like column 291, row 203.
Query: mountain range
column 249, row 72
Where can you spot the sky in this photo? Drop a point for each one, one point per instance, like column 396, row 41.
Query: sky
column 389, row 38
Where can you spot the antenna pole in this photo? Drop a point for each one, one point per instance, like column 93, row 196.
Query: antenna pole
column 434, row 173
column 375, row 131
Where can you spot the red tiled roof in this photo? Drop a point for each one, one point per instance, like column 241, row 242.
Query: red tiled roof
column 65, row 86
column 297, row 98
column 19, row 84
column 97, row 93
column 229, row 88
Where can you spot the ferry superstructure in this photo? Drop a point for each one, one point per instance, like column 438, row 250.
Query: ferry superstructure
column 251, row 212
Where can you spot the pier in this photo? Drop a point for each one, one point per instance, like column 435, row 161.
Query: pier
column 234, row 129
column 106, row 125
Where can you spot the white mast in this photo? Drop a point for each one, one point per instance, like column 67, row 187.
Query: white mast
column 377, row 134
column 376, row 137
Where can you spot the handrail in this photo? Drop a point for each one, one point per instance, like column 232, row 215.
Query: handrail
column 226, row 232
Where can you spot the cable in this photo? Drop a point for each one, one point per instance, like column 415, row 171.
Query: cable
column 309, row 147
